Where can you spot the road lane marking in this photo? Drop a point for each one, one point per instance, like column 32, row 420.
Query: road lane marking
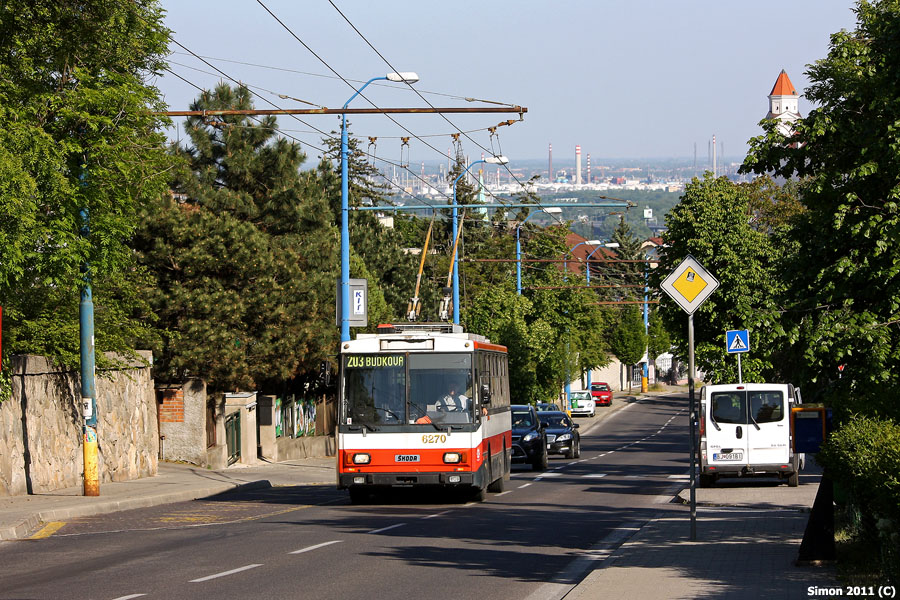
column 129, row 597
column 524, row 485
column 225, row 573
column 594, row 475
column 388, row 528
column 48, row 530
column 316, row 547
column 503, row 493
column 436, row 515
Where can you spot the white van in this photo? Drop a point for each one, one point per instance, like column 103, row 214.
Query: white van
column 745, row 429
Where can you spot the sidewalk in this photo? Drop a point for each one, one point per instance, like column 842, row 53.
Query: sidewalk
column 20, row 516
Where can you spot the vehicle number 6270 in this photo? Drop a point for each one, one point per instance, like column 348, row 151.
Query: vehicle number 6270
column 434, row 438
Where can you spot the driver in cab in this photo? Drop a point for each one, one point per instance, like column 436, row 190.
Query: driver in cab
column 453, row 401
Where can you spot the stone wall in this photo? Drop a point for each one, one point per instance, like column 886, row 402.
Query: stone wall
column 41, row 427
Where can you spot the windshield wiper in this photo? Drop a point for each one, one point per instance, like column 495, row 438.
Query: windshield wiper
column 712, row 417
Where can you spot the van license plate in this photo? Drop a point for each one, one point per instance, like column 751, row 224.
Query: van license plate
column 729, row 456
column 406, row 458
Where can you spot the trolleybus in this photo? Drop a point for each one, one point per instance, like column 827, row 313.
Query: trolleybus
column 423, row 404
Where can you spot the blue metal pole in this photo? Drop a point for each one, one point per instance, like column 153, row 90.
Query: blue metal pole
column 456, row 255
column 88, row 390
column 646, row 374
column 518, row 262
column 345, row 226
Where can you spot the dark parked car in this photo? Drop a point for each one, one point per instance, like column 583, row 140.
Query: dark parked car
column 562, row 434
column 529, row 442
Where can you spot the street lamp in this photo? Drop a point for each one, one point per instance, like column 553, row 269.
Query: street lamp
column 549, row 210
column 588, row 259
column 345, row 204
column 491, row 160
column 572, row 252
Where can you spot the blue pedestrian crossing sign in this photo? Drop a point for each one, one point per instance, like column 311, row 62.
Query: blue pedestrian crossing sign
column 737, row 340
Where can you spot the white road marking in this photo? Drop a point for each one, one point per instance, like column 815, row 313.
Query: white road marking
column 681, row 476
column 436, row 515
column 316, row 547
column 503, row 493
column 524, row 485
column 594, row 475
column 387, row 528
column 223, row 574
column 548, row 475
column 129, row 597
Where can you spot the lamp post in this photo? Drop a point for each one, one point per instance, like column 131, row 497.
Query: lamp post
column 345, row 204
column 572, row 251
column 491, row 160
column 548, row 210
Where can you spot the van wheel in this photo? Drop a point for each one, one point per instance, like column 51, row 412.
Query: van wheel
column 707, row 480
column 794, row 478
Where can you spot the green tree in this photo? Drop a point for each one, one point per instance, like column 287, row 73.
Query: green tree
column 711, row 224
column 628, row 339
column 847, row 154
column 658, row 339
column 381, row 248
column 244, row 254
column 76, row 132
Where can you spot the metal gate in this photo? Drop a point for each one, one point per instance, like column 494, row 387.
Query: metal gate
column 233, row 436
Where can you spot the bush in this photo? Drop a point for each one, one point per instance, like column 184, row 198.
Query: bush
column 863, row 458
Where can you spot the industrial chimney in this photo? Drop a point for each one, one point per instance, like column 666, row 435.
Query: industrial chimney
column 577, row 165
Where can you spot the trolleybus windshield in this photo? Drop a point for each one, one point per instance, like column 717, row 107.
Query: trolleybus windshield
column 382, row 390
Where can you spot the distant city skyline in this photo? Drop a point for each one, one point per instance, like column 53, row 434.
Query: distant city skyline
column 639, row 80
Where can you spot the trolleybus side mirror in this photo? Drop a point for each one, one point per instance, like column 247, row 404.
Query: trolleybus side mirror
column 485, row 394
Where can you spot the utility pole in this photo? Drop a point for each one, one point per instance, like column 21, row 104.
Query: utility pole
column 88, row 391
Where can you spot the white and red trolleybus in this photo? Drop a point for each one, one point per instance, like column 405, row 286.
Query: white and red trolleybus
column 423, row 404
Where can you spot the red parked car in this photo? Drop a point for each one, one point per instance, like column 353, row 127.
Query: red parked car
column 602, row 393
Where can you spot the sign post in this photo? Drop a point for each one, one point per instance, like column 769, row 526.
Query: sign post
column 690, row 285
column 737, row 341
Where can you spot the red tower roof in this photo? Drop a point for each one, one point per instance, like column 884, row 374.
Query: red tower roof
column 783, row 86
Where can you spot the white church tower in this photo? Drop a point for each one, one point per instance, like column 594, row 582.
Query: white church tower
column 784, row 104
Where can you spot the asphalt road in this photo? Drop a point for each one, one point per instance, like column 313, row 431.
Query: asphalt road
column 535, row 540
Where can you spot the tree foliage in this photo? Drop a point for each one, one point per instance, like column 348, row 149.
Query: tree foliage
column 244, row 255
column 76, row 132
column 845, row 283
column 712, row 224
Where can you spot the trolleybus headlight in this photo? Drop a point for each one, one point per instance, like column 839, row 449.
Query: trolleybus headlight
column 361, row 459
column 452, row 457
column 359, row 479
column 453, row 479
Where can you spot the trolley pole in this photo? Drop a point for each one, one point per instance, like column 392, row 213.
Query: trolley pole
column 88, row 393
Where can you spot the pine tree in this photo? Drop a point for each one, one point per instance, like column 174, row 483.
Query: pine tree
column 245, row 255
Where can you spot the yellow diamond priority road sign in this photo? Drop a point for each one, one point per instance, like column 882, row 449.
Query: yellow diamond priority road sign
column 689, row 284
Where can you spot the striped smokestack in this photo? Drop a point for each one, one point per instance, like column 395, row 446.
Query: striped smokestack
column 589, row 168
column 577, row 165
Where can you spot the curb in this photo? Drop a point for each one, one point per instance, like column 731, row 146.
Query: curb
column 29, row 524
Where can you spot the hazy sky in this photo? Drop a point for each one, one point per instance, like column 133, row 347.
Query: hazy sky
column 622, row 78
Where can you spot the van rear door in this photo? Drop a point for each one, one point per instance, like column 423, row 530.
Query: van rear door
column 768, row 431
column 726, row 429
